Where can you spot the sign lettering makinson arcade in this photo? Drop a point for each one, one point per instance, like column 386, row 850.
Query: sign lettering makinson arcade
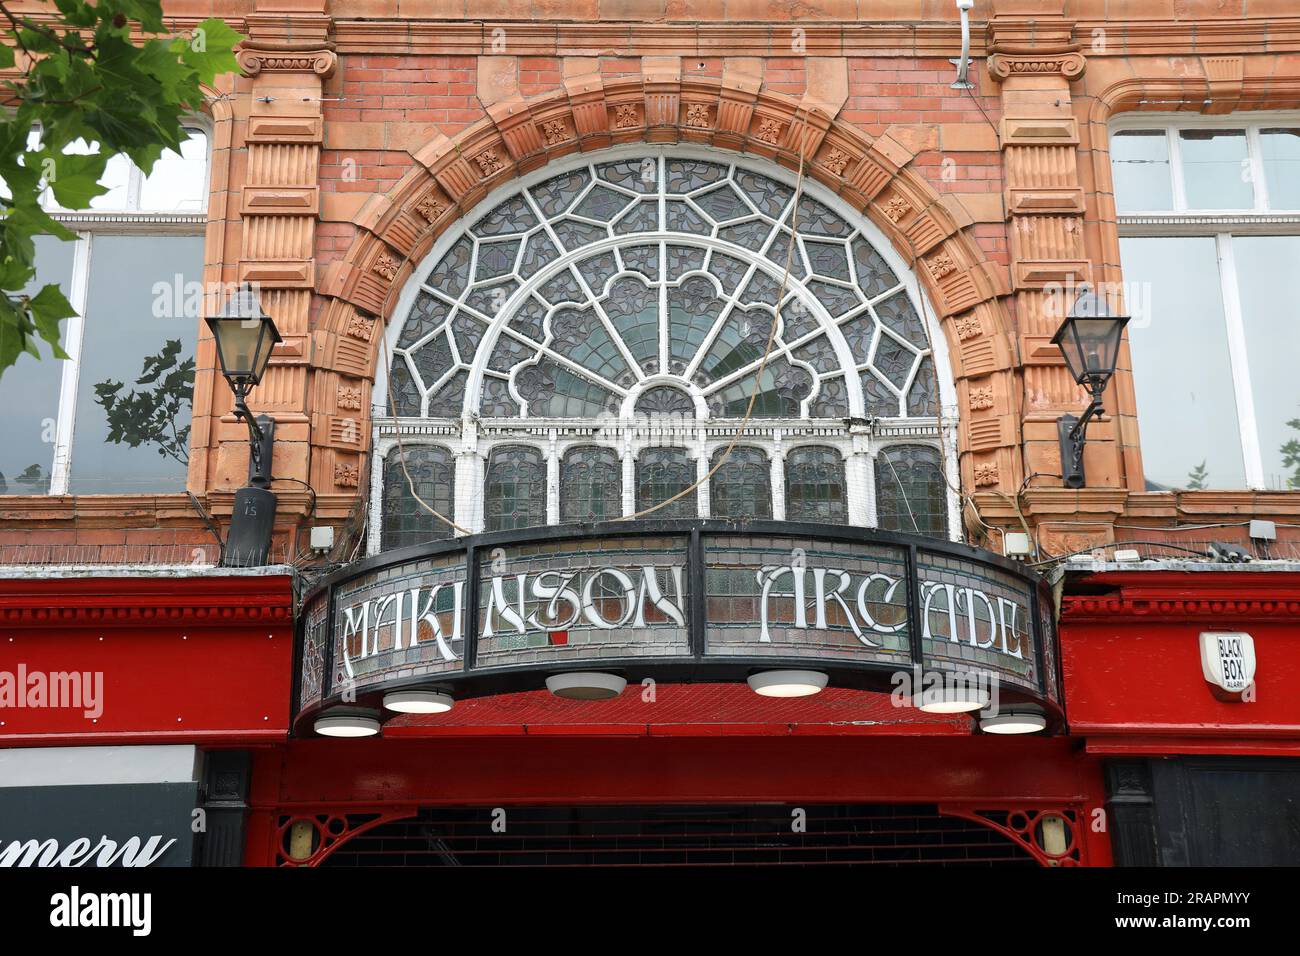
column 675, row 601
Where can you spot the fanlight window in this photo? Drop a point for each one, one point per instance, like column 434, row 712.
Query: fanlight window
column 573, row 345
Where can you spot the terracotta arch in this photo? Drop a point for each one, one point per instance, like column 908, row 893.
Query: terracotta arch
column 451, row 175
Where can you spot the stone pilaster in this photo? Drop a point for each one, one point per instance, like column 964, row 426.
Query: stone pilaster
column 1035, row 61
column 287, row 57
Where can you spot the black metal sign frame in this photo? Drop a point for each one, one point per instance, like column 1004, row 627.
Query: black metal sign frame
column 474, row 680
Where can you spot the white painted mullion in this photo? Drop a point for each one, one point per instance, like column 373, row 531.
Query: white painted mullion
column 1176, row 169
column 134, row 187
column 1255, row 156
column 553, row 478
column 79, row 289
column 1250, row 450
column 776, row 473
column 628, row 462
column 664, row 332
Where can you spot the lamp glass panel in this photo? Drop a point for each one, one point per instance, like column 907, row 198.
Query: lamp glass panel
column 239, row 341
column 131, row 316
column 1097, row 341
column 1266, row 266
column 1187, row 410
column 265, row 343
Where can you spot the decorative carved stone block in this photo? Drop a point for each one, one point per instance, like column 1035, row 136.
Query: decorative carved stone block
column 349, row 398
column 625, row 116
column 897, row 208
column 836, row 161
column 769, row 131
column 555, row 132
column 697, row 116
column 941, row 265
column 346, row 476
column 430, row 208
column 489, row 161
column 967, row 327
column 386, row 266
column 361, row 326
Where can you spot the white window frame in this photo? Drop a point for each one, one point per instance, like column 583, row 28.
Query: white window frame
column 1222, row 226
column 472, row 439
column 1259, row 215
column 88, row 223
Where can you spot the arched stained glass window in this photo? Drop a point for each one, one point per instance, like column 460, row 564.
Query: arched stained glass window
column 406, row 521
column 655, row 265
column 661, row 473
column 514, row 493
column 742, row 488
column 634, row 303
column 911, row 493
column 591, row 484
column 815, row 489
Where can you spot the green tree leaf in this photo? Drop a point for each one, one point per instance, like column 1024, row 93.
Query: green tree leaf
column 108, row 74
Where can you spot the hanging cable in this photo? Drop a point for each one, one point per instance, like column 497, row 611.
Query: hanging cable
column 767, row 352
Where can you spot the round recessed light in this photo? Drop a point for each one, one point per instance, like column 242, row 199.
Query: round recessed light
column 787, row 683
column 418, row 702
column 586, row 685
column 346, row 725
column 951, row 700
column 1015, row 722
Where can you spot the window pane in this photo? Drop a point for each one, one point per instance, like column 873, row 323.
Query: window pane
column 1281, row 149
column 660, row 474
column 814, row 485
column 1216, row 173
column 1187, row 410
column 515, row 490
column 131, row 328
column 591, row 484
column 117, row 174
column 405, row 520
column 911, row 493
column 1266, row 266
column 178, row 183
column 29, row 390
column 742, row 488
column 1139, row 161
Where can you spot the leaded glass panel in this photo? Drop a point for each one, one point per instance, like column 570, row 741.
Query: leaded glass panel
column 591, row 484
column 815, row 489
column 405, row 520
column 911, row 493
column 514, row 492
column 741, row 489
column 662, row 473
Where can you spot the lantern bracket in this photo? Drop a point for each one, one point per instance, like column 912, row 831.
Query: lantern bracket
column 1072, row 432
column 261, row 438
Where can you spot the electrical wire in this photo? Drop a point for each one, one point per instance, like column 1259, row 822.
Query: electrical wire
column 1118, row 544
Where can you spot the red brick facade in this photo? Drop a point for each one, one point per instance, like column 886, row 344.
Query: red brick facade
column 363, row 128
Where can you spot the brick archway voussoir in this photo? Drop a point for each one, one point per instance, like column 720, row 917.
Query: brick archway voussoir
column 451, row 175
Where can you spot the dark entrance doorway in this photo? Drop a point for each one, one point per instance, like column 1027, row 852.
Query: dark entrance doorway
column 682, row 835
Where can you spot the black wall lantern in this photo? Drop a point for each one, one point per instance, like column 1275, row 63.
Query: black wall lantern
column 1089, row 338
column 245, row 336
